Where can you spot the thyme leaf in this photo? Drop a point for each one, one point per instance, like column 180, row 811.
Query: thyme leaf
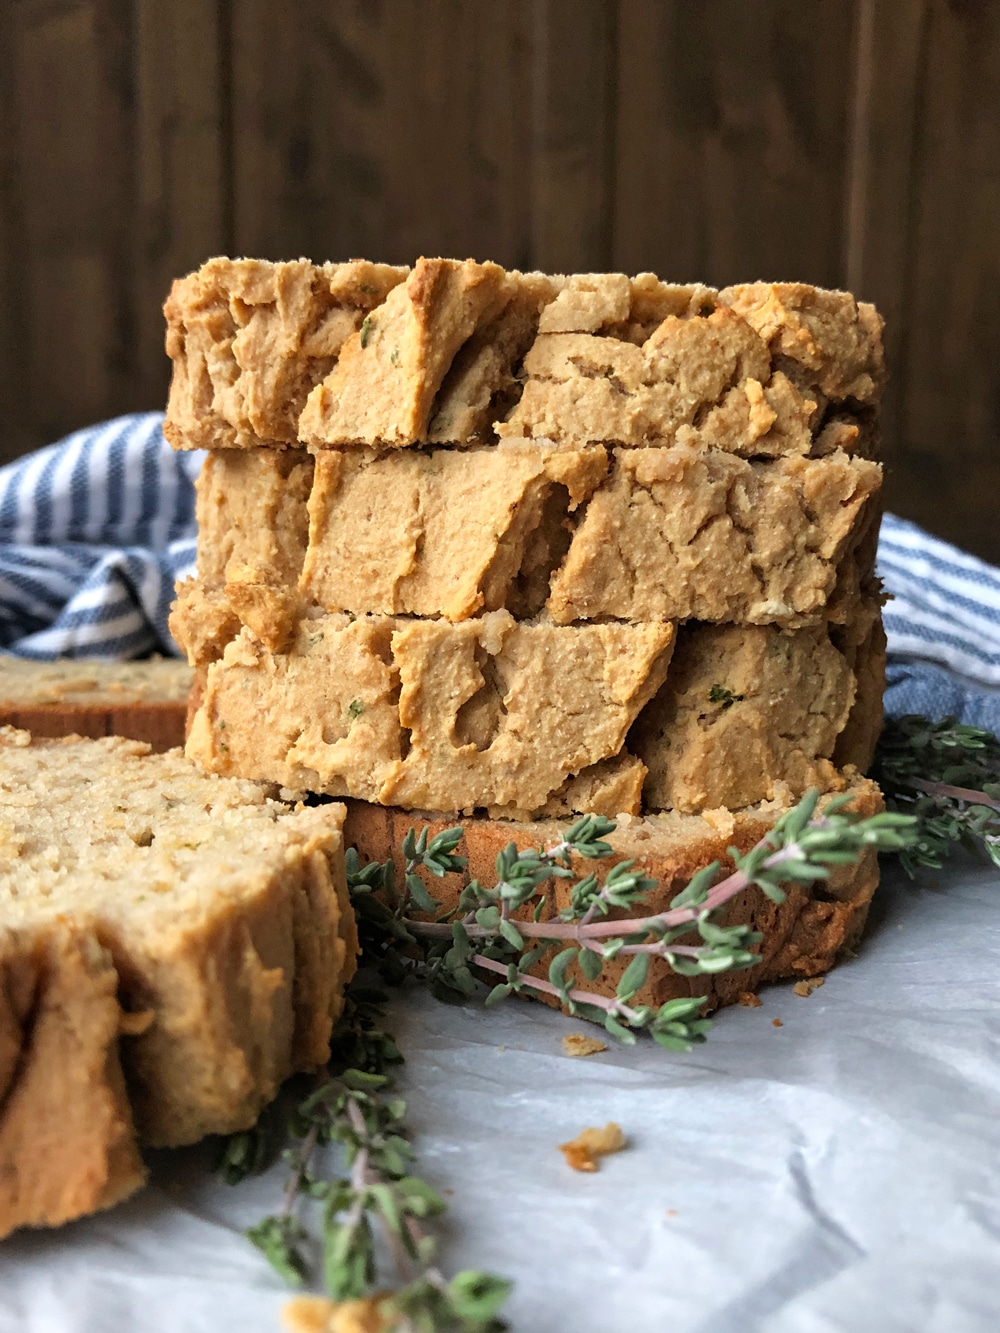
column 947, row 775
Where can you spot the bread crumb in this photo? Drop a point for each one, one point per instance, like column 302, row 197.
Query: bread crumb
column 581, row 1153
column 749, row 1000
column 777, row 1023
column 578, row 1043
column 806, row 987
column 317, row 1314
column 721, row 820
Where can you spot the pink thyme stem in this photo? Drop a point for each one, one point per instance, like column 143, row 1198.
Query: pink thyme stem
column 576, row 930
column 959, row 793
column 547, row 988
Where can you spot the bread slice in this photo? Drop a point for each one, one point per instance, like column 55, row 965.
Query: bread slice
column 457, row 352
column 492, row 713
column 426, row 713
column 145, row 701
column 801, row 937
column 172, row 946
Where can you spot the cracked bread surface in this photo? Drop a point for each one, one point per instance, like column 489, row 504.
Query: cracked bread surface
column 181, row 938
column 457, row 352
column 489, row 712
column 744, row 710
column 639, row 535
column 249, row 339
column 522, row 718
column 252, row 532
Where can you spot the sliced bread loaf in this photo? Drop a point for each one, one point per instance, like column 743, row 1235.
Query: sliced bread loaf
column 172, row 946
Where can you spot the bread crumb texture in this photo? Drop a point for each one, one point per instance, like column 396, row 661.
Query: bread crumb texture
column 535, row 720
column 318, row 1314
column 807, row 985
column 583, row 1152
column 172, row 946
column 458, row 352
column 579, row 1044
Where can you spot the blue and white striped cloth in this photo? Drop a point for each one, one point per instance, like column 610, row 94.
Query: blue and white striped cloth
column 93, row 532
column 95, row 529
column 943, row 627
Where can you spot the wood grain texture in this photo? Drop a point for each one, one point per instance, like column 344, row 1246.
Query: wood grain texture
column 947, row 436
column 731, row 135
column 383, row 129
column 843, row 142
column 575, row 72
column 72, row 94
column 14, row 437
column 182, row 186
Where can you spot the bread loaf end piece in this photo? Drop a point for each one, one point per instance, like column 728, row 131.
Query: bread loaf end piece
column 217, row 919
column 803, row 936
column 145, row 701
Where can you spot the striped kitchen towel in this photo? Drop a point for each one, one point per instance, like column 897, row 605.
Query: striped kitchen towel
column 93, row 532
column 943, row 627
column 95, row 529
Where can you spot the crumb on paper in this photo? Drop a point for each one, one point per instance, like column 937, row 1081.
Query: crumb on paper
column 749, row 1000
column 318, row 1314
column 582, row 1152
column 578, row 1043
column 671, row 1212
column 806, row 987
column 777, row 1023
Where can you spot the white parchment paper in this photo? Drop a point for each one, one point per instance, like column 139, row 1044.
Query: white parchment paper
column 841, row 1172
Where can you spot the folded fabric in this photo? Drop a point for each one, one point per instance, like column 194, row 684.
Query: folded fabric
column 94, row 531
column 943, row 627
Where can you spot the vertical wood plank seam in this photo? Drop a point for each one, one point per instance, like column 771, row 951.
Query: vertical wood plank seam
column 14, row 413
column 227, row 148
column 911, row 223
column 609, row 165
column 859, row 146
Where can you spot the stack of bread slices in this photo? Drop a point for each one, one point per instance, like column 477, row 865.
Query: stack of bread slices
column 514, row 548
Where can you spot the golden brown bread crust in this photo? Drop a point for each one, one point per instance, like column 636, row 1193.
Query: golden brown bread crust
column 801, row 937
column 217, row 919
column 144, row 701
column 161, row 726
column 67, row 1143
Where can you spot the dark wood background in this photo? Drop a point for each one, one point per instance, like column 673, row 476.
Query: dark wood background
column 844, row 142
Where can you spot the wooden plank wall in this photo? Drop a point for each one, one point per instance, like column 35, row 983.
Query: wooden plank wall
column 844, row 142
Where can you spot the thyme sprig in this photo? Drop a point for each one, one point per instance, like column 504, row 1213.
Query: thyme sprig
column 483, row 933
column 506, row 929
column 354, row 1105
column 947, row 775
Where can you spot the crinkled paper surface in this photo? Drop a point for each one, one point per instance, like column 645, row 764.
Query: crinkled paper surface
column 840, row 1172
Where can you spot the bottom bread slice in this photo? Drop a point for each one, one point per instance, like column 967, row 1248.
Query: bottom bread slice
column 172, row 947
column 801, row 936
column 146, row 701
